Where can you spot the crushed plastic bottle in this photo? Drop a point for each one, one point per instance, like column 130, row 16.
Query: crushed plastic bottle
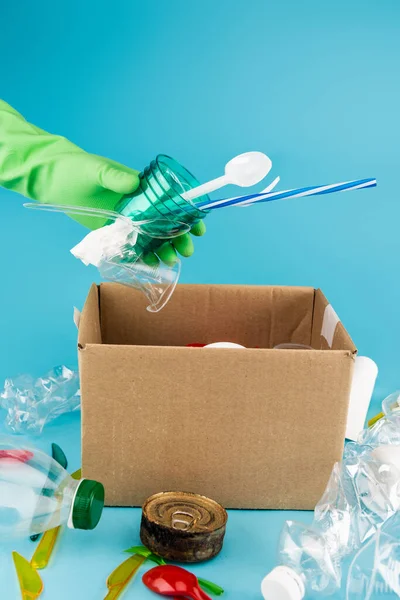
column 362, row 494
column 37, row 494
column 32, row 403
column 375, row 569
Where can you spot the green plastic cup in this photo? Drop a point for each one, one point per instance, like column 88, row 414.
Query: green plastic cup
column 159, row 199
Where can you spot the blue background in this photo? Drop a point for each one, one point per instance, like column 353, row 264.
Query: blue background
column 313, row 84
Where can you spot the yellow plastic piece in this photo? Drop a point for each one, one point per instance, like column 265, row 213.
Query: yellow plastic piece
column 45, row 547
column 77, row 474
column 375, row 419
column 29, row 579
column 122, row 575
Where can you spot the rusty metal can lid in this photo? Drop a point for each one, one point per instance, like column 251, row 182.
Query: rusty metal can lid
column 182, row 526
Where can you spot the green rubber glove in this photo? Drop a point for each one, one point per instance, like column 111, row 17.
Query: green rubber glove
column 52, row 170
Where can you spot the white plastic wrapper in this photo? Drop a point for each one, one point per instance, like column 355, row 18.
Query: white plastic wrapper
column 105, row 243
column 32, row 403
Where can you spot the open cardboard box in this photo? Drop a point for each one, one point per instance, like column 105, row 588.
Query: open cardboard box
column 251, row 428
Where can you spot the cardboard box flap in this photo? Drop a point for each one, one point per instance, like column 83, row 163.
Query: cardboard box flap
column 89, row 325
column 254, row 316
column 327, row 330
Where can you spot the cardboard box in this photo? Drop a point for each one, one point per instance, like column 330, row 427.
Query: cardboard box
column 252, row 428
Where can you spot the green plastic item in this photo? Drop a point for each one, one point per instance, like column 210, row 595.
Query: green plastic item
column 148, row 554
column 211, row 587
column 88, row 504
column 59, row 455
column 159, row 196
column 29, row 579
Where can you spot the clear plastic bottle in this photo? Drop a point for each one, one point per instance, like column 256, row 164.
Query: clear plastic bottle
column 375, row 569
column 37, row 494
column 363, row 493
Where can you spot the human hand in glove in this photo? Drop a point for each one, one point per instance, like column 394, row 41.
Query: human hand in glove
column 52, row 170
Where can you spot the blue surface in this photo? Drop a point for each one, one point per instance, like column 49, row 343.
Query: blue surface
column 313, row 84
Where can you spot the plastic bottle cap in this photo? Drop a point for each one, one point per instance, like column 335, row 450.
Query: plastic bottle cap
column 283, row 583
column 88, row 504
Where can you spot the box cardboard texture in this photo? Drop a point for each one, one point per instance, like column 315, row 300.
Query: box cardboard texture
column 254, row 428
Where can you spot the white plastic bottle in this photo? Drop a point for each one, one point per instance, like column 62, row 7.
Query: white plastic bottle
column 362, row 494
column 37, row 494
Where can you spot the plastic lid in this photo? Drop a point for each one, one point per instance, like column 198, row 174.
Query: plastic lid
column 282, row 583
column 88, row 504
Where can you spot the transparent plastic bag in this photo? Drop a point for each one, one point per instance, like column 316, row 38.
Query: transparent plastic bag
column 32, row 403
column 123, row 260
column 362, row 494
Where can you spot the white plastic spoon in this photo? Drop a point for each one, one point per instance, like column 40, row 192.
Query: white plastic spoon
column 244, row 170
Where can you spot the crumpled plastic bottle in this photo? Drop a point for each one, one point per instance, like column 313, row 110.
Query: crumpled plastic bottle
column 362, row 494
column 32, row 403
column 375, row 569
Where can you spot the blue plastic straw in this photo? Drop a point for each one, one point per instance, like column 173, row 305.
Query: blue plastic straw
column 295, row 193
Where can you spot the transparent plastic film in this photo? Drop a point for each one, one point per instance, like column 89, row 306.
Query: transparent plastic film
column 125, row 251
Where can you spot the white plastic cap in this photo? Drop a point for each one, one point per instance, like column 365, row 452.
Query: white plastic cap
column 223, row 345
column 282, row 583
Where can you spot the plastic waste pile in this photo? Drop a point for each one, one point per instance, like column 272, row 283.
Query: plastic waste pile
column 362, row 495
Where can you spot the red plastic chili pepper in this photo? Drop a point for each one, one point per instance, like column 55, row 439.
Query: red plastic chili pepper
column 168, row 580
column 20, row 455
